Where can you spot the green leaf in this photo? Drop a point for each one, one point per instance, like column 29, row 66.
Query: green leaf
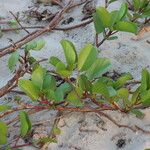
column 74, row 99
column 35, row 45
column 14, row 58
column 99, row 67
column 145, row 98
column 3, row 133
column 123, row 11
column 25, row 125
column 62, row 70
column 104, row 16
column 39, row 45
column 31, row 60
column 98, row 24
column 37, row 77
column 122, row 80
column 87, row 56
column 144, row 3
column 12, row 23
column 123, row 93
column 84, row 83
column 135, row 96
column 70, row 52
column 113, row 38
column 31, row 45
column 146, row 14
column 106, row 80
column 54, row 61
column 145, row 81
column 136, row 4
column 50, row 95
column 49, row 83
column 112, row 92
column 126, row 26
column 56, row 131
column 114, row 17
column 61, row 91
column 100, row 88
column 138, row 113
column 29, row 88
column 4, row 107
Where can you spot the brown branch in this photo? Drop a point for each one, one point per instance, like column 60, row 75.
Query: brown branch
column 55, row 21
column 12, row 82
column 19, row 22
column 115, row 122
column 82, row 24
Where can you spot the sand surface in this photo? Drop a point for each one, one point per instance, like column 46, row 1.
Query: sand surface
column 86, row 131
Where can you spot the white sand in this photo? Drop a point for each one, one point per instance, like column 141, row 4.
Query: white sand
column 97, row 133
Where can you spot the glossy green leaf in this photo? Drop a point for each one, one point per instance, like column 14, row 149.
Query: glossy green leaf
column 84, row 83
column 114, row 15
column 25, row 125
column 39, row 45
column 122, row 11
column 122, row 80
column 54, row 61
column 100, row 88
column 123, row 95
column 145, row 81
column 104, row 16
column 106, row 80
column 61, row 91
column 35, row 45
column 50, row 95
column 4, row 107
column 99, row 67
column 37, row 77
column 3, row 133
column 62, row 70
column 112, row 92
column 70, row 52
column 74, row 99
column 136, row 4
column 126, row 26
column 144, row 3
column 14, row 58
column 87, row 56
column 49, row 83
column 135, row 96
column 98, row 24
column 146, row 14
column 29, row 88
column 31, row 45
column 145, row 98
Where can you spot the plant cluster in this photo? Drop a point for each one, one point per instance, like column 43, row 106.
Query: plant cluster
column 82, row 80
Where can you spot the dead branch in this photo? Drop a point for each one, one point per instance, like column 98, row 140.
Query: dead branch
column 66, row 28
column 55, row 21
column 12, row 82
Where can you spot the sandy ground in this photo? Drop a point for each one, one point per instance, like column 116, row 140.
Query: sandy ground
column 87, row 131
